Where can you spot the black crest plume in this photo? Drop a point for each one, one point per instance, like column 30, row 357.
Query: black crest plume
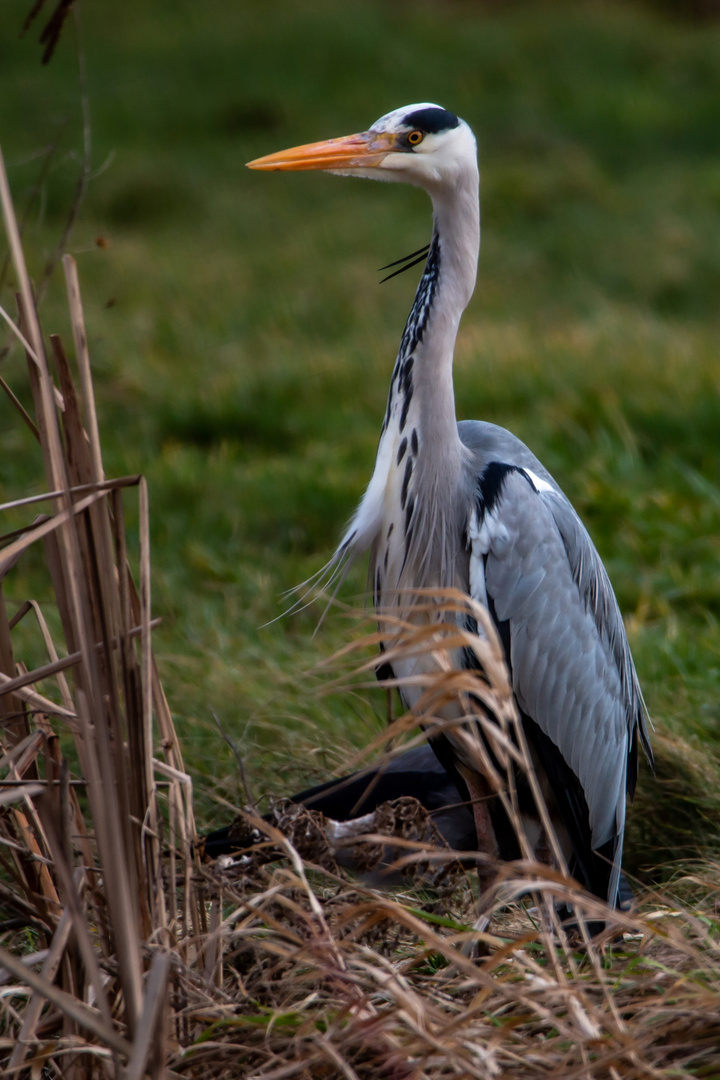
column 410, row 260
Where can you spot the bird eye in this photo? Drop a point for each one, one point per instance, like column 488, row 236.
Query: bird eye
column 415, row 137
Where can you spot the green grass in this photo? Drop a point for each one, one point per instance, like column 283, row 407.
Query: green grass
column 242, row 346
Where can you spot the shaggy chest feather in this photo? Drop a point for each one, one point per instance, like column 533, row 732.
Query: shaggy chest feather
column 416, row 537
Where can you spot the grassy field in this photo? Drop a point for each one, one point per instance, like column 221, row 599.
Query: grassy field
column 243, row 348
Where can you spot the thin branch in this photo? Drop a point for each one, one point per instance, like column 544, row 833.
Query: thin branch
column 240, row 763
column 85, row 169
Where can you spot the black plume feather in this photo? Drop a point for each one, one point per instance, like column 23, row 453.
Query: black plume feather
column 410, row 260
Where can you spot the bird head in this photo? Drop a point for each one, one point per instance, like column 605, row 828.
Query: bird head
column 422, row 144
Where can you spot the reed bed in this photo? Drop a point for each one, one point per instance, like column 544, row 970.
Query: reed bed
column 123, row 954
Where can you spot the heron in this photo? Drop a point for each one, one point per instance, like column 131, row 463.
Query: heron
column 467, row 505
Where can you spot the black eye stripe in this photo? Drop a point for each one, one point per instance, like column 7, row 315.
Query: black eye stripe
column 432, row 121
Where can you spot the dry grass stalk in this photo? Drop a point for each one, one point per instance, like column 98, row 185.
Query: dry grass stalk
column 643, row 1000
column 103, row 710
column 122, row 961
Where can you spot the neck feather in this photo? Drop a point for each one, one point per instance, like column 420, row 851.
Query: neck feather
column 422, row 378
column 409, row 515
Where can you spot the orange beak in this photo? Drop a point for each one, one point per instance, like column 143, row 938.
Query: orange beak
column 347, row 152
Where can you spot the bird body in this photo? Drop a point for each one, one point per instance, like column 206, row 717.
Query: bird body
column 468, row 506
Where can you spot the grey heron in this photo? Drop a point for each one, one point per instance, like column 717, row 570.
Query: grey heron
column 467, row 505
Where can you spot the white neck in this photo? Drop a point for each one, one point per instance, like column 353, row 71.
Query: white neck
column 421, row 407
column 456, row 225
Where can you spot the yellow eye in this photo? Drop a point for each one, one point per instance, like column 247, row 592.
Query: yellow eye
column 415, row 137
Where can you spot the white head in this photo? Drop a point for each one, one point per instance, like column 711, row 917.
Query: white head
column 421, row 144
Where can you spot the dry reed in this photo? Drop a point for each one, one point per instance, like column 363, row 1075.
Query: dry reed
column 123, row 955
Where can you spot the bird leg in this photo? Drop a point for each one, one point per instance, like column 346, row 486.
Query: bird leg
column 543, row 850
column 480, row 794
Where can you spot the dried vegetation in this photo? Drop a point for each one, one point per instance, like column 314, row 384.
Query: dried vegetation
column 122, row 954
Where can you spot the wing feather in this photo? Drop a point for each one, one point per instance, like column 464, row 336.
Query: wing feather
column 571, row 667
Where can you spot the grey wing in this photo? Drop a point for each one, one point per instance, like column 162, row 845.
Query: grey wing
column 571, row 667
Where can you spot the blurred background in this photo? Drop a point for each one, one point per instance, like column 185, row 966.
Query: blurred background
column 242, row 345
